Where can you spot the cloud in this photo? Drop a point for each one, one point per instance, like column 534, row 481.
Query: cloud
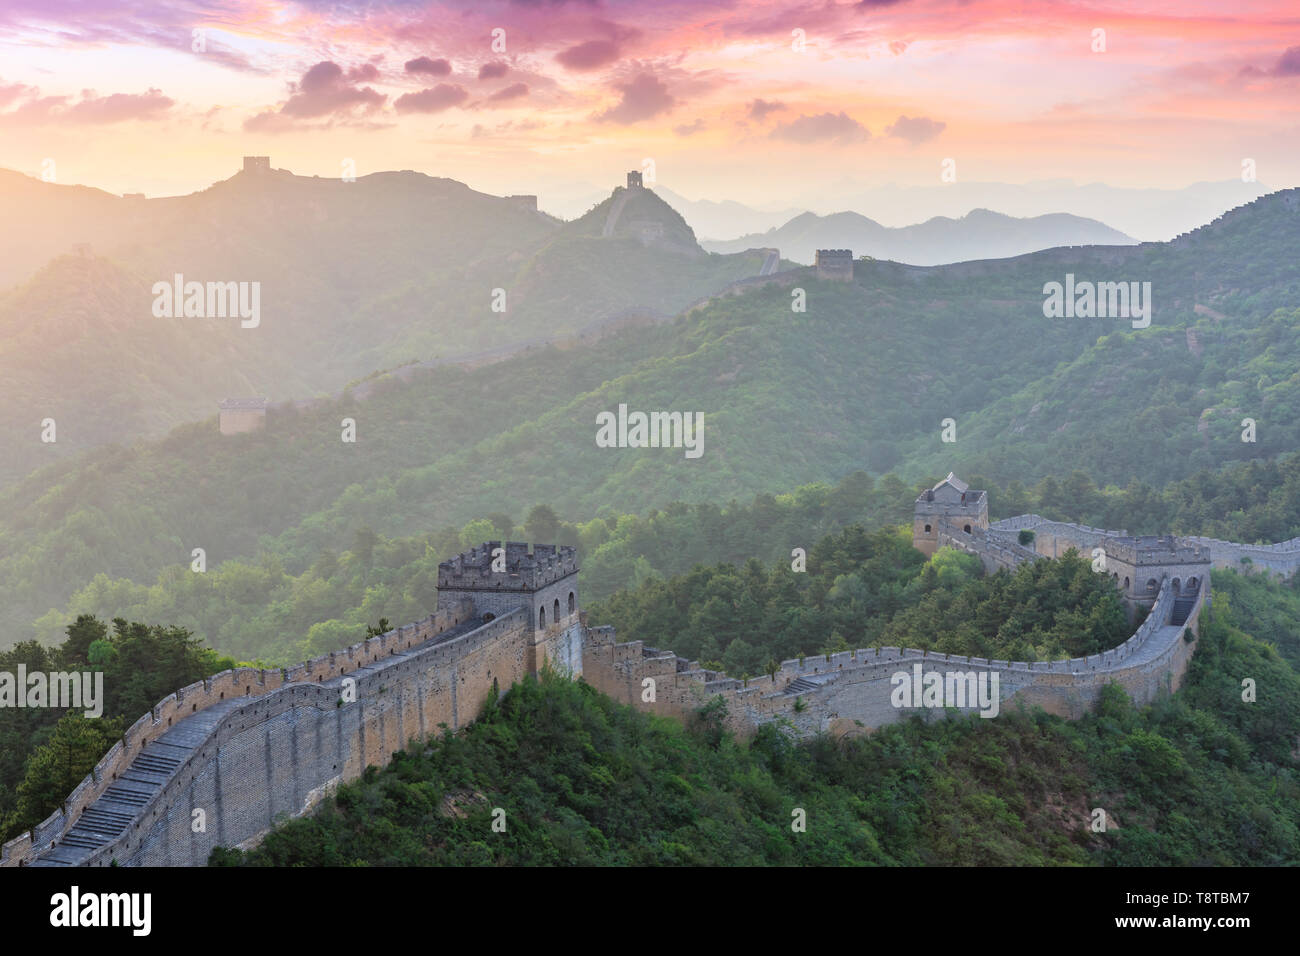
column 423, row 65
column 839, row 128
column 689, row 129
column 366, row 73
column 591, row 55
column 324, row 91
column 915, row 129
column 512, row 92
column 9, row 92
column 1289, row 63
column 759, row 109
column 643, row 97
column 91, row 110
column 493, row 71
column 441, row 97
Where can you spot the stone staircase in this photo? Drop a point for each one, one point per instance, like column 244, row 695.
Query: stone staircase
column 117, row 808
column 802, row 685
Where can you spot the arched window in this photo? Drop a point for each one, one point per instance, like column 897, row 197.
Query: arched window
column 927, row 529
column 489, row 617
column 1152, row 584
column 572, row 602
column 966, row 528
column 1126, row 584
column 1193, row 584
column 541, row 616
column 555, row 618
column 1178, row 585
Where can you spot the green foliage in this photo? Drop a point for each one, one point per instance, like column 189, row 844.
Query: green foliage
column 868, row 589
column 45, row 752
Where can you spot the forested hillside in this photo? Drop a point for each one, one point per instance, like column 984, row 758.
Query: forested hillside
column 862, row 379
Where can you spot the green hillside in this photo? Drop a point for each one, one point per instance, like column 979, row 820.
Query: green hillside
column 862, row 378
column 390, row 269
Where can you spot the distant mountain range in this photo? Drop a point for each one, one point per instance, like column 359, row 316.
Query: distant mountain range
column 980, row 234
column 1148, row 215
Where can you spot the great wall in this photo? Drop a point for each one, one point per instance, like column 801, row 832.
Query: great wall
column 248, row 748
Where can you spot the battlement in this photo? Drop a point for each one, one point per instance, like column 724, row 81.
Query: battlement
column 525, row 203
column 1145, row 550
column 257, row 164
column 836, row 264
column 524, row 571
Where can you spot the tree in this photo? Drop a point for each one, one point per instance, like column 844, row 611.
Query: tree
column 542, row 526
column 56, row 768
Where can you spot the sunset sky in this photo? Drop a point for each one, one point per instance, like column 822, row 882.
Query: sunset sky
column 716, row 93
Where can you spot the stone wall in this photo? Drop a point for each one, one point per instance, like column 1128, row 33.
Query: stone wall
column 284, row 738
column 850, row 692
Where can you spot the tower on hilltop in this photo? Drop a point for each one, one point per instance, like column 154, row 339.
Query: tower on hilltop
column 257, row 164
column 634, row 179
column 240, row 415
column 950, row 500
column 543, row 583
column 836, row 264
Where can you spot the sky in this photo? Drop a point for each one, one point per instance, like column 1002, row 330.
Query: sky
column 768, row 103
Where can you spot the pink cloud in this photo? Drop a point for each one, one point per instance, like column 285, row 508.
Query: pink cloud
column 591, row 55
column 644, row 97
column 512, row 92
column 493, row 71
column 424, row 65
column 917, row 129
column 839, row 128
column 434, row 100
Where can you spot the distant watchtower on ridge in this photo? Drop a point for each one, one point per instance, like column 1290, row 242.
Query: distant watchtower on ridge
column 257, row 164
column 634, row 179
column 499, row 580
column 240, row 415
column 835, row 264
column 951, row 499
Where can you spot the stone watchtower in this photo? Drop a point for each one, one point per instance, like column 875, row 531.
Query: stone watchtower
column 835, row 264
column 543, row 583
column 257, row 164
column 952, row 501
column 240, row 415
column 1138, row 563
column 634, row 179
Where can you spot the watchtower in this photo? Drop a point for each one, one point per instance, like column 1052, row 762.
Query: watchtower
column 257, row 164
column 835, row 264
column 1138, row 563
column 242, row 415
column 952, row 501
column 634, row 179
column 543, row 582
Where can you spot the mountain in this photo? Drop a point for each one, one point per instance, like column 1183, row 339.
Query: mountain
column 980, row 234
column 1149, row 215
column 717, row 220
column 393, row 268
column 865, row 377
